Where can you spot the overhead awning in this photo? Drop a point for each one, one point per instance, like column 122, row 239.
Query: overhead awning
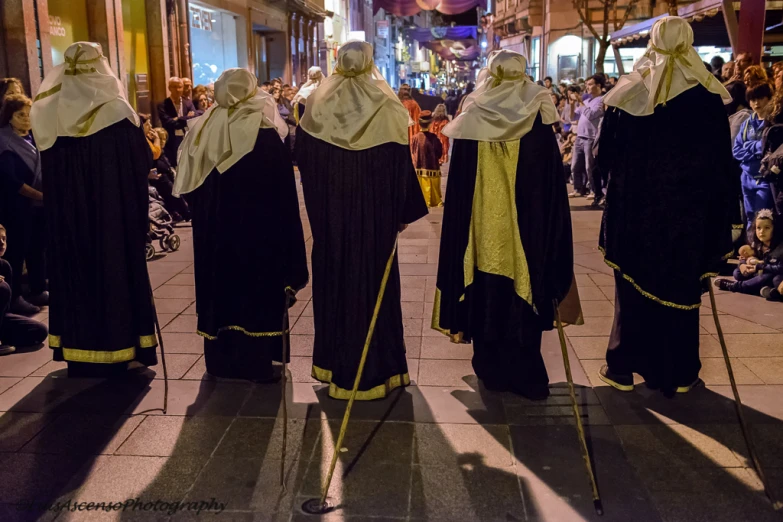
column 428, row 34
column 413, row 7
column 462, row 50
column 708, row 23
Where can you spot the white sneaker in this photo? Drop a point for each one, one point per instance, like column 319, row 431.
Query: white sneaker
column 591, row 196
column 6, row 349
column 575, row 194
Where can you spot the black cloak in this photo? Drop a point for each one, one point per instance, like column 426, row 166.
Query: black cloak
column 249, row 247
column 95, row 190
column 356, row 202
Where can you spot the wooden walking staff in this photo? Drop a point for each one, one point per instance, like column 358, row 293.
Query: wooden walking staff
column 599, row 508
column 319, row 506
column 162, row 355
column 283, row 382
column 776, row 504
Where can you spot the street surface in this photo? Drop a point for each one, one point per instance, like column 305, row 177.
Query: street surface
column 446, row 449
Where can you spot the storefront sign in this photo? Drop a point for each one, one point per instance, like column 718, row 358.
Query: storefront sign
column 382, row 28
column 56, row 26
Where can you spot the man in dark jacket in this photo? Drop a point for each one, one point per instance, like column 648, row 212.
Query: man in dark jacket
column 174, row 113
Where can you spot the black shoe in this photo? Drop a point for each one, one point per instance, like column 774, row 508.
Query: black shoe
column 615, row 380
column 771, row 294
column 21, row 307
column 727, row 285
column 41, row 299
column 596, row 204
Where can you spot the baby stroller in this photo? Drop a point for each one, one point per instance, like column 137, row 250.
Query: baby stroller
column 161, row 228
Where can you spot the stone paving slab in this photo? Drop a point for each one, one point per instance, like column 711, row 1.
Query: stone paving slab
column 443, row 449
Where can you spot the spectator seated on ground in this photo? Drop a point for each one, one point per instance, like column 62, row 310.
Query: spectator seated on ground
column 15, row 330
column 761, row 264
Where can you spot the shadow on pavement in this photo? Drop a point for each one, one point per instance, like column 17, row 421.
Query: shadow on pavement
column 53, row 437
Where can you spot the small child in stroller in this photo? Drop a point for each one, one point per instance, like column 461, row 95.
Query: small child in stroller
column 161, row 228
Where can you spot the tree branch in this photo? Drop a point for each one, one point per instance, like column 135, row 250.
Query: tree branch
column 588, row 23
column 628, row 9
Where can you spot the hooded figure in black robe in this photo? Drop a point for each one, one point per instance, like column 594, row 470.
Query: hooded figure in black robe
column 95, row 160
column 670, row 202
column 506, row 254
column 247, row 235
column 360, row 190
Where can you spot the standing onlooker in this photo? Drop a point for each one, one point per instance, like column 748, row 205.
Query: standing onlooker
column 549, row 85
column 9, row 86
column 174, row 113
column 414, row 111
column 756, row 192
column 20, row 202
column 178, row 207
column 14, row 329
column 440, row 120
column 589, row 112
column 266, row 86
column 735, row 81
column 287, row 113
column 187, row 88
column 716, row 64
column 568, row 116
column 754, row 75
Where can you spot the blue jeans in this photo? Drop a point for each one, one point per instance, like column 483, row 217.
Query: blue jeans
column 753, row 285
column 756, row 196
column 582, row 164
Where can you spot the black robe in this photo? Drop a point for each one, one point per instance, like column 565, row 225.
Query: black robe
column 249, row 246
column 666, row 228
column 356, row 202
column 505, row 329
column 96, row 201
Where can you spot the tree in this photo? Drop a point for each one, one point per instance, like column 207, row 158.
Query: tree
column 609, row 8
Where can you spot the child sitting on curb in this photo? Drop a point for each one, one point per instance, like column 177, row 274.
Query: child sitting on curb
column 761, row 264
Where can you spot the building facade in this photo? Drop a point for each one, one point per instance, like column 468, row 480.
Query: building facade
column 149, row 41
column 551, row 34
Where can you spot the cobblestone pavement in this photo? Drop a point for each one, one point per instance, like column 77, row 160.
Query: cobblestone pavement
column 442, row 449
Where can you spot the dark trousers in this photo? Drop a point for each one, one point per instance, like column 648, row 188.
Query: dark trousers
column 15, row 329
column 753, row 285
column 582, row 164
column 777, row 196
column 18, row 232
column 658, row 342
column 27, row 243
column 165, row 187
column 36, row 252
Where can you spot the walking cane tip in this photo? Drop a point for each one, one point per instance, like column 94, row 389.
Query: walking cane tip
column 599, row 507
column 314, row 506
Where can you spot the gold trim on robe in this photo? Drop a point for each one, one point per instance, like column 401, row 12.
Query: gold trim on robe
column 378, row 392
column 102, row 357
column 494, row 241
column 435, row 325
column 239, row 329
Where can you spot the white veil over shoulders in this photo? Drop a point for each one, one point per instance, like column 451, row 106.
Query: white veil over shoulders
column 227, row 131
column 355, row 108
column 79, row 97
column 670, row 67
column 505, row 105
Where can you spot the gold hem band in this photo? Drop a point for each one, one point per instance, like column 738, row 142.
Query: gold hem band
column 102, row 357
column 239, row 329
column 378, row 392
column 427, row 173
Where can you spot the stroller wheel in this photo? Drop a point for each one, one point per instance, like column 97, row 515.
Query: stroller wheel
column 173, row 242
column 162, row 243
column 150, row 253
